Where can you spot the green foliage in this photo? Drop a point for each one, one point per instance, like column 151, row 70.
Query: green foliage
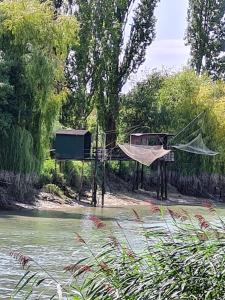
column 48, row 171
column 74, row 170
column 102, row 62
column 182, row 97
column 140, row 108
column 205, row 35
column 33, row 47
column 16, row 152
column 73, row 174
column 53, row 189
column 167, row 103
column 182, row 260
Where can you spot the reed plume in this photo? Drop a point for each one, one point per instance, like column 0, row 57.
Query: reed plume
column 24, row 260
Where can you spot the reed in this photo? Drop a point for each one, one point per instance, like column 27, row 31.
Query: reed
column 183, row 260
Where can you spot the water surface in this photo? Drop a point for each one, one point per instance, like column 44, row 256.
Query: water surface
column 48, row 237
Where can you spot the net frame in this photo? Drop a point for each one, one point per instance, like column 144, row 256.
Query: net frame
column 196, row 146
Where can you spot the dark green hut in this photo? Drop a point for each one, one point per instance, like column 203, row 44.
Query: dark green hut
column 72, row 144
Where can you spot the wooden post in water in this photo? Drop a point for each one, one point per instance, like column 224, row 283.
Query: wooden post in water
column 103, row 169
column 94, row 184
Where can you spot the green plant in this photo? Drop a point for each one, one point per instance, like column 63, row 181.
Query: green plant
column 183, row 260
column 48, row 170
column 77, row 173
column 53, row 189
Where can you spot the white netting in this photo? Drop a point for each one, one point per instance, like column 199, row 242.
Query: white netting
column 146, row 155
column 196, row 146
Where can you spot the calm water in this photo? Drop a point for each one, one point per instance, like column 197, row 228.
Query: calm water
column 48, row 237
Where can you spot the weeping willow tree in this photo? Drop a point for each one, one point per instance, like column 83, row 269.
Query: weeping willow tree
column 34, row 44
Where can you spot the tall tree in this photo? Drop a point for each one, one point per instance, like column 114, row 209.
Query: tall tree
column 206, row 36
column 114, row 35
column 34, row 45
column 140, row 109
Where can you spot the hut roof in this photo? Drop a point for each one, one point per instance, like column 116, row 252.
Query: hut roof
column 152, row 134
column 72, row 131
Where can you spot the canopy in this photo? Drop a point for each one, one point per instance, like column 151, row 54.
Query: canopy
column 196, row 146
column 146, row 155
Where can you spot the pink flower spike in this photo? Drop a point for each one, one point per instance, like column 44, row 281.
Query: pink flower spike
column 155, row 209
column 202, row 221
column 209, row 205
column 97, row 222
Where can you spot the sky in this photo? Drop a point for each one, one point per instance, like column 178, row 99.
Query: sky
column 168, row 50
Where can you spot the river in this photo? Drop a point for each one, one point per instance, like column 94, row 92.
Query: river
column 48, row 237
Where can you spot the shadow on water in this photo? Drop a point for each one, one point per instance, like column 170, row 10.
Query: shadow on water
column 51, row 214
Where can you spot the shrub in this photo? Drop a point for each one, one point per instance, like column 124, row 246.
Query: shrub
column 48, row 170
column 51, row 174
column 73, row 173
column 53, row 189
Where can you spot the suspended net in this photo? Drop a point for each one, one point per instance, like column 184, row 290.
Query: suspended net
column 146, row 155
column 196, row 146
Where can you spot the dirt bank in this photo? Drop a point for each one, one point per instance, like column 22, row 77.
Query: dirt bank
column 47, row 201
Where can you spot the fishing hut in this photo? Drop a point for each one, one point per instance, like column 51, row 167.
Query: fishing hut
column 71, row 144
column 143, row 148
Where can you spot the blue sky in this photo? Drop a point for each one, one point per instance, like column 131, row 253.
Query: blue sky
column 168, row 49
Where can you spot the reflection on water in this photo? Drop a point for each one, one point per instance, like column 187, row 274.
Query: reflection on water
column 48, row 237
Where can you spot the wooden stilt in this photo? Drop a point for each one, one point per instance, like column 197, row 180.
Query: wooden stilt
column 103, row 183
column 158, row 179
column 161, row 180
column 81, row 181
column 104, row 157
column 142, row 176
column 166, row 180
column 60, row 166
column 94, row 185
column 137, row 175
column 134, row 176
column 120, row 168
column 55, row 166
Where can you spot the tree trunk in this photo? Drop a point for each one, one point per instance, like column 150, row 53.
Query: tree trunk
column 111, row 134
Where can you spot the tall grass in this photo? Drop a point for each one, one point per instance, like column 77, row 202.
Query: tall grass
column 183, row 260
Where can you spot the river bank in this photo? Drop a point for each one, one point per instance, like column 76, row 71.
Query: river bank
column 59, row 195
column 47, row 201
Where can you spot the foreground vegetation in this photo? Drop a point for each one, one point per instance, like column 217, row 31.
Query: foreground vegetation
column 184, row 259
